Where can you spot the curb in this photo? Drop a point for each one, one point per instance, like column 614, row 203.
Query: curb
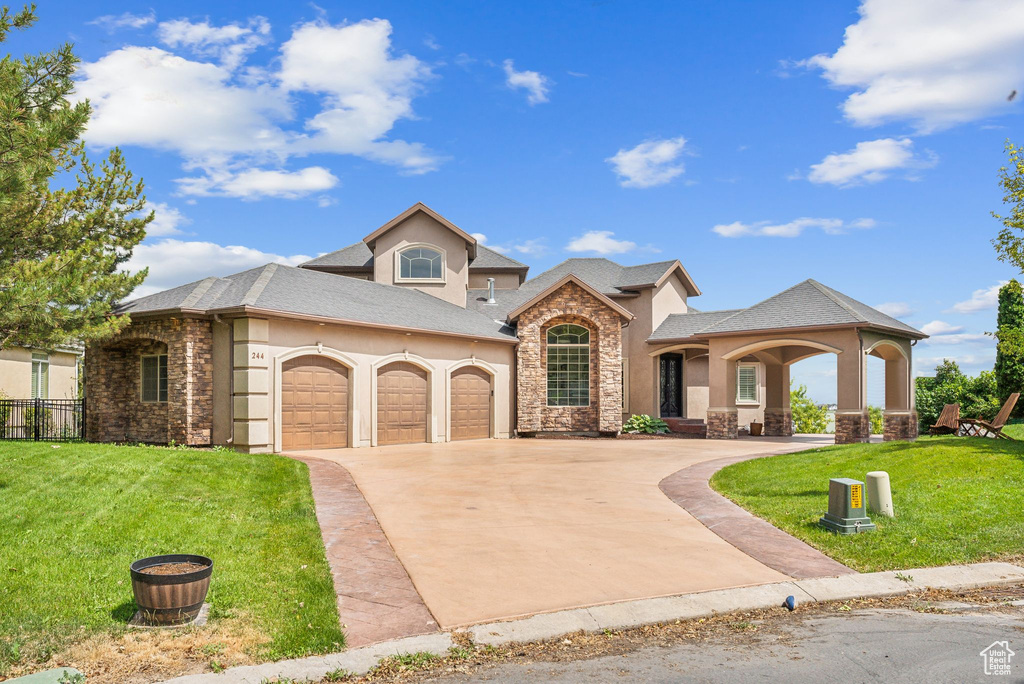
column 629, row 614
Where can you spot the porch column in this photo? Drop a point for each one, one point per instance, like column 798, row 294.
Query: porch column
column 852, row 422
column 250, row 401
column 900, row 417
column 778, row 418
column 722, row 419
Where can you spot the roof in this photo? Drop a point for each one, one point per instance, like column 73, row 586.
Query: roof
column 418, row 208
column 805, row 305
column 602, row 275
column 681, row 325
column 514, row 314
column 276, row 288
column 359, row 257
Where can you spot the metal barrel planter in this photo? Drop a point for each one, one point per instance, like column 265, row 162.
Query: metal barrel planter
column 170, row 599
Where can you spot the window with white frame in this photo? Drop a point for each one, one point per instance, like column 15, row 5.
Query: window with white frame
column 746, row 383
column 154, row 378
column 420, row 263
column 40, row 376
column 568, row 365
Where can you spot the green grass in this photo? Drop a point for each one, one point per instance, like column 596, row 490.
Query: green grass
column 957, row 500
column 73, row 518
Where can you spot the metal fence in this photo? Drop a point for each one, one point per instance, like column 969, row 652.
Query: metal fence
column 42, row 420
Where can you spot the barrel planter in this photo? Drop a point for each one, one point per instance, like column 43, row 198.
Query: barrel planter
column 169, row 589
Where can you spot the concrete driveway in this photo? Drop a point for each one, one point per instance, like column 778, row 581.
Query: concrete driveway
column 504, row 528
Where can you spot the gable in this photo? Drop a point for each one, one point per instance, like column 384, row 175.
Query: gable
column 421, row 209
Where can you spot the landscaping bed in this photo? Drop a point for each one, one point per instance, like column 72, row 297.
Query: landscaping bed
column 957, row 500
column 74, row 517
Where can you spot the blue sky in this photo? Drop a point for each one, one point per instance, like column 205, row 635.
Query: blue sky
column 759, row 143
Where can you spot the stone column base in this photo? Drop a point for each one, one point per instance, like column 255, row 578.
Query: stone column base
column 900, row 425
column 778, row 422
column 852, row 428
column 722, row 424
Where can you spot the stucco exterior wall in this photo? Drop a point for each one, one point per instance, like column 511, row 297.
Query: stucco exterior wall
column 16, row 374
column 668, row 298
column 695, row 383
column 422, row 229
column 643, row 369
column 502, row 281
column 366, row 349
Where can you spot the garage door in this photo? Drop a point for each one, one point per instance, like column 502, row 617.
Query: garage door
column 314, row 404
column 401, row 404
column 471, row 403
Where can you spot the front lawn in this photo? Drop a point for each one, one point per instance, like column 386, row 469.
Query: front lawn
column 957, row 500
column 74, row 516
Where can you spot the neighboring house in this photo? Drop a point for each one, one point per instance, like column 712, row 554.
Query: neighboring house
column 421, row 334
column 36, row 374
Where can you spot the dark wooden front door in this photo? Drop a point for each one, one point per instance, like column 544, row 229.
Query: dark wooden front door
column 671, row 386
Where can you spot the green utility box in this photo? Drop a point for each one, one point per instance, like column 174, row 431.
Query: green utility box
column 846, row 507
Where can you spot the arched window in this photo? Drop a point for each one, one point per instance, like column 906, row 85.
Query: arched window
column 420, row 263
column 568, row 365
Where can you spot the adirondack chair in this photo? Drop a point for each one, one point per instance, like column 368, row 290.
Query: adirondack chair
column 948, row 422
column 976, row 427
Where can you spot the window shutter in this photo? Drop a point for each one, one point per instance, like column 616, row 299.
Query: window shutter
column 746, row 383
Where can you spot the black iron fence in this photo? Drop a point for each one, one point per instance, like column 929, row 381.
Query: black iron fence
column 42, row 420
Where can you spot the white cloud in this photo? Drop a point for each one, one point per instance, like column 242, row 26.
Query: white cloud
column 940, row 328
column 869, row 162
column 176, row 262
column 480, row 237
column 364, row 90
column 256, row 183
column 600, row 242
column 533, row 247
column 959, row 338
column 113, row 22
column 226, row 120
column 166, row 220
column 650, row 163
column 981, row 300
column 830, row 226
column 895, row 309
column 935, row 63
column 535, row 84
column 229, row 43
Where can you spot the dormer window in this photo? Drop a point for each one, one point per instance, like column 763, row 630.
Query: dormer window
column 420, row 263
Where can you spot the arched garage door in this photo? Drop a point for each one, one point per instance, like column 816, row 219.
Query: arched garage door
column 471, row 403
column 314, row 403
column 401, row 404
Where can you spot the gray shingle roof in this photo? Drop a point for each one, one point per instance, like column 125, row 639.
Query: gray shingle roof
column 359, row 256
column 353, row 256
column 677, row 326
column 287, row 289
column 605, row 276
column 804, row 305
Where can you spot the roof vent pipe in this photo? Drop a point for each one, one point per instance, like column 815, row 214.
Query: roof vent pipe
column 490, row 291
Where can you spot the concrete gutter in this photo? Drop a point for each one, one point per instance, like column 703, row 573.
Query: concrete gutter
column 627, row 614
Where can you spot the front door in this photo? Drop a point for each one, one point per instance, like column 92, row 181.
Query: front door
column 671, row 386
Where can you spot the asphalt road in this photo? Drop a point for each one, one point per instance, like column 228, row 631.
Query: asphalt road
column 884, row 645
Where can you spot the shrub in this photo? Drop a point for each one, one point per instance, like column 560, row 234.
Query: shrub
column 876, row 416
column 808, row 417
column 977, row 397
column 645, row 424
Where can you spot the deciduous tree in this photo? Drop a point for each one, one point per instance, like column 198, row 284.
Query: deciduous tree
column 1009, row 334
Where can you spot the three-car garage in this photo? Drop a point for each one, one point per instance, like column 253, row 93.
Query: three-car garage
column 317, row 392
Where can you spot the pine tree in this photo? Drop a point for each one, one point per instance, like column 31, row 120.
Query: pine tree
column 67, row 225
column 1009, row 368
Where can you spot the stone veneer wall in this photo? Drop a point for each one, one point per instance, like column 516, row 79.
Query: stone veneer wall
column 852, row 427
column 115, row 411
column 900, row 426
column 570, row 304
column 778, row 422
column 723, row 424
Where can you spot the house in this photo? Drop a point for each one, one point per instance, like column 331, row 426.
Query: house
column 39, row 374
column 419, row 333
